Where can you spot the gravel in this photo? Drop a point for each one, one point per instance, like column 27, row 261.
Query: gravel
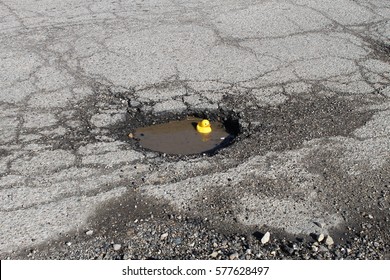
column 320, row 237
column 265, row 238
column 142, row 240
column 234, row 256
column 329, row 241
column 164, row 236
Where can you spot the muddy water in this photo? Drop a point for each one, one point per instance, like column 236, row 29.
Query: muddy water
column 181, row 137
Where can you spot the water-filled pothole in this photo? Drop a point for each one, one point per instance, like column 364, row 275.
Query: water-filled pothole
column 181, row 137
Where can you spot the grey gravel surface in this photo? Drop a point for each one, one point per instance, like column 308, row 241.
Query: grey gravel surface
column 306, row 83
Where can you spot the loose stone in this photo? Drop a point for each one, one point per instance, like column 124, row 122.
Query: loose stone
column 233, row 256
column 320, row 237
column 117, row 247
column 265, row 238
column 287, row 249
column 89, row 232
column 319, row 224
column 178, row 241
column 329, row 241
column 164, row 236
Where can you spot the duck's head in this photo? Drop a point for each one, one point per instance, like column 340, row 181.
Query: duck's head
column 205, row 123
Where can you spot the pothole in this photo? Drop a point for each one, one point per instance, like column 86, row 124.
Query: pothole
column 186, row 136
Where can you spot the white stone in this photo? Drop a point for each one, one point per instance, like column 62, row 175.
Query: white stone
column 265, row 238
column 329, row 241
column 117, row 247
column 164, row 236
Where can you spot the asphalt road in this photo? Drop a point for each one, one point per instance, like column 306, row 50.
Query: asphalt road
column 307, row 80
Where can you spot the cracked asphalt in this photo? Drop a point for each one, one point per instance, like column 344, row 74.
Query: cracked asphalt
column 307, row 80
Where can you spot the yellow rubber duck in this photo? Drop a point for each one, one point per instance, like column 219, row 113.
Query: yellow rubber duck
column 203, row 126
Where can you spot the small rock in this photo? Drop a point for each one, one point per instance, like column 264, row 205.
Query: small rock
column 177, row 241
column 68, row 243
column 89, row 232
column 319, row 224
column 287, row 249
column 117, row 247
column 164, row 236
column 370, row 216
column 338, row 255
column 265, row 238
column 320, row 237
column 329, row 241
column 323, row 249
column 131, row 136
column 248, row 251
column 233, row 256
column 214, row 254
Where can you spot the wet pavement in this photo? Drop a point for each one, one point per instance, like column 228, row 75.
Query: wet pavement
column 308, row 82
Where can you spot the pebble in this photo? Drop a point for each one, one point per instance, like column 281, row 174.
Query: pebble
column 178, row 241
column 320, row 237
column 323, row 249
column 287, row 249
column 265, row 238
column 68, row 243
column 233, row 256
column 329, row 241
column 117, row 247
column 319, row 224
column 214, row 254
column 89, row 232
column 164, row 236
